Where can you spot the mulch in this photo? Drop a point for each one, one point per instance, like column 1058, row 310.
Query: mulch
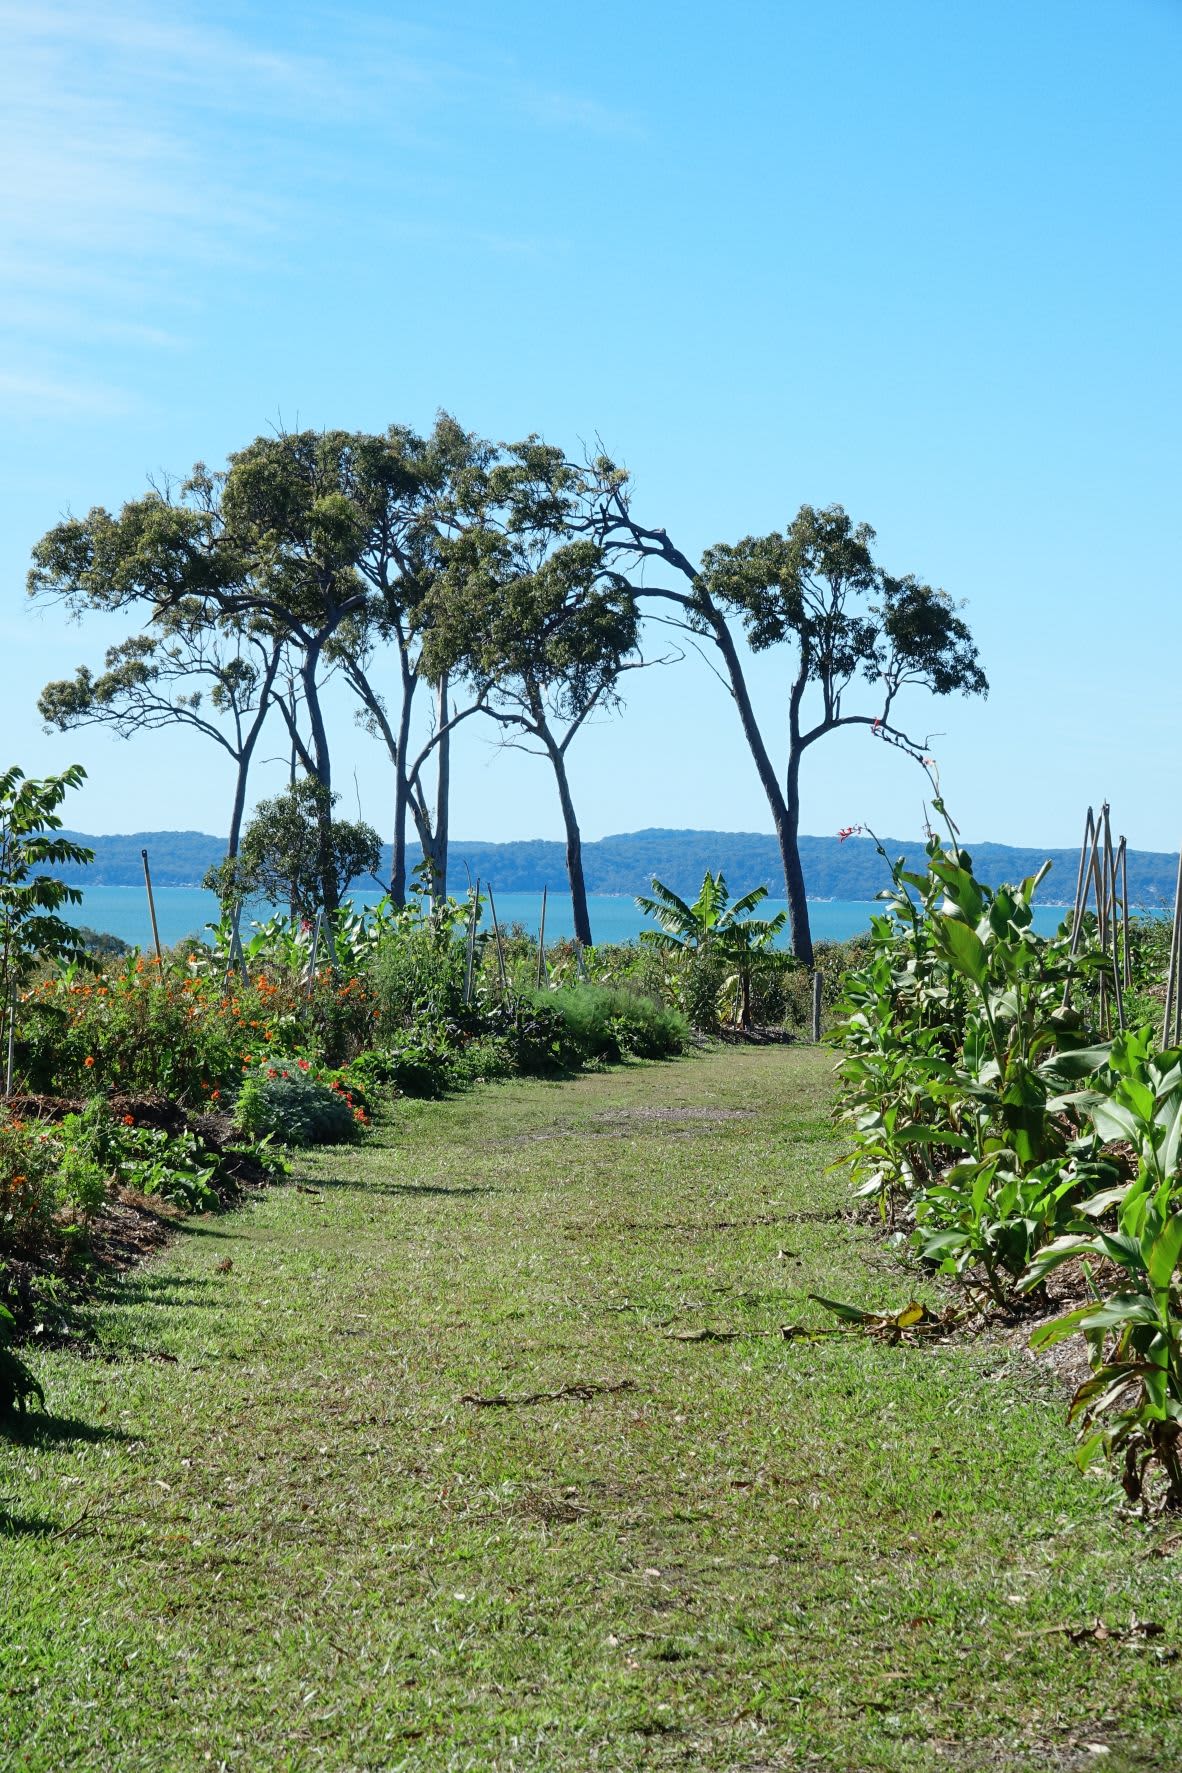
column 129, row 1227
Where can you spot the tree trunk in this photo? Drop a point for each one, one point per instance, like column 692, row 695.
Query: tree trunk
column 246, row 753
column 323, row 772
column 239, row 808
column 442, row 802
column 785, row 809
column 401, row 799
column 574, row 847
column 798, row 908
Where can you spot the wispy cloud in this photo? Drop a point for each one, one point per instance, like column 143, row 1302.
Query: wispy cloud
column 146, row 161
column 564, row 110
column 34, row 394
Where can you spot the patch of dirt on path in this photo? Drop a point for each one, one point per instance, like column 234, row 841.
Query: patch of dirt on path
column 609, row 1123
column 631, row 1116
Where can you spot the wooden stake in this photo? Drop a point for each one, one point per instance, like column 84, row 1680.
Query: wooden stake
column 497, row 937
column 152, row 911
column 542, row 943
column 816, row 1007
column 315, row 952
column 1167, row 1027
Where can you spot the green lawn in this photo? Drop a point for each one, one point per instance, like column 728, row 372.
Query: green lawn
column 299, row 1547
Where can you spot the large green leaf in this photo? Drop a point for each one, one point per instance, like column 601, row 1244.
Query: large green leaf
column 965, row 950
column 1164, row 1252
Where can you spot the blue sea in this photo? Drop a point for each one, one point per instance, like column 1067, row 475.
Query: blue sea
column 185, row 911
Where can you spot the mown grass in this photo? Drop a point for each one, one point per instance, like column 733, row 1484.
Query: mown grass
column 297, row 1547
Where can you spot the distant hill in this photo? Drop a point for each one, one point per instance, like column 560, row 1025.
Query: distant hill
column 626, row 863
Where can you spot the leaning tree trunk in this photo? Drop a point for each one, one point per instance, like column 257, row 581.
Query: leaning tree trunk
column 785, row 807
column 574, row 848
column 789, row 839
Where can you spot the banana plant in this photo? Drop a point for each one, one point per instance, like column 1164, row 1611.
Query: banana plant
column 712, row 924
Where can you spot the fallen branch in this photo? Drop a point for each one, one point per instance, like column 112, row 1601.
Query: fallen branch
column 581, row 1392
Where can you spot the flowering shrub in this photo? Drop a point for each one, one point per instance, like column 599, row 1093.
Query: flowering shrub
column 182, row 1033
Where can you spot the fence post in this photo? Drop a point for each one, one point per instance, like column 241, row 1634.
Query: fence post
column 816, row 1006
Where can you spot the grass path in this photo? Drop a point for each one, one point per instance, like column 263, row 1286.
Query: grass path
column 298, row 1548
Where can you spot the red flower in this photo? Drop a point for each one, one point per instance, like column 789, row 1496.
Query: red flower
column 303, row 1065
column 129, row 1120
column 89, row 1062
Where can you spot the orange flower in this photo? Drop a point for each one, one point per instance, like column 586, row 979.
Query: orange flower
column 215, row 1096
column 89, row 1061
column 19, row 1181
column 129, row 1120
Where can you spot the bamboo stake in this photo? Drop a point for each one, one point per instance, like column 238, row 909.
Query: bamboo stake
column 1124, row 874
column 1077, row 915
column 1109, row 924
column 1082, row 883
column 1167, row 1027
column 816, row 1007
column 152, row 911
column 542, row 943
column 11, row 1046
column 492, row 905
column 1103, row 877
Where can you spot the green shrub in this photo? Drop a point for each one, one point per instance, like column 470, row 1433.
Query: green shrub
column 700, row 987
column 419, row 971
column 296, row 1108
column 418, row 1060
column 600, row 1024
column 486, row 1058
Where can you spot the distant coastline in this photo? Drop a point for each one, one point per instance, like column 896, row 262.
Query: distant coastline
column 624, row 865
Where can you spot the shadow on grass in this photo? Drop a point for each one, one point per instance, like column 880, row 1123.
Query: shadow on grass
column 395, row 1189
column 27, row 1526
column 38, row 1429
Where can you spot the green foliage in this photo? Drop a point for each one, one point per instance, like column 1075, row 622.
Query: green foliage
column 602, row 1025
column 101, row 944
column 31, row 931
column 282, row 856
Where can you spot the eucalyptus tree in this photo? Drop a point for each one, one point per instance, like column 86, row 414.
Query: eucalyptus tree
column 527, row 618
column 280, row 860
column 814, row 592
column 217, row 681
column 408, row 492
column 269, row 544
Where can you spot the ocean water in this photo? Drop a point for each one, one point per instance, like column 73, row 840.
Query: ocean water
column 185, row 911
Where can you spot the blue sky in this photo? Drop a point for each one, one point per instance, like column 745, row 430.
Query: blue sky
column 919, row 259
